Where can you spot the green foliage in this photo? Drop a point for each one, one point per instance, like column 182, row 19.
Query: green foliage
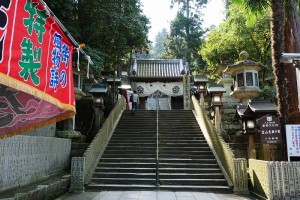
column 157, row 50
column 236, row 34
column 112, row 29
column 255, row 6
column 185, row 38
column 269, row 92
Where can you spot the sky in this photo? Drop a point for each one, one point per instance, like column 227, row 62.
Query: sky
column 160, row 14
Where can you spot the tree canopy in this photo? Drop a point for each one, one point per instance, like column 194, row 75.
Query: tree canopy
column 186, row 34
column 111, row 29
column 236, row 34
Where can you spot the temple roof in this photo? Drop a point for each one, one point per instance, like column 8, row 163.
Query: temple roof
column 148, row 68
column 256, row 107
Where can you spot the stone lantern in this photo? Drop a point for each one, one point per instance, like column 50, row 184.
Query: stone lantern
column 249, row 114
column 200, row 82
column 114, row 82
column 98, row 91
column 245, row 76
column 216, row 91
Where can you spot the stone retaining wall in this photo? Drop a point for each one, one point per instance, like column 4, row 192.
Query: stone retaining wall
column 274, row 180
column 27, row 159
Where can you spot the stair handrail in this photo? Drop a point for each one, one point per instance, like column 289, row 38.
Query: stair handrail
column 220, row 148
column 96, row 148
column 157, row 150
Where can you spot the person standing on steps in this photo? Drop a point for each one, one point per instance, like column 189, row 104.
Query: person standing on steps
column 135, row 102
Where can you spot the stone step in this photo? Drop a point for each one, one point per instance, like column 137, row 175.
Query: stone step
column 136, row 141
column 193, row 182
column 135, row 144
column 199, row 188
column 127, row 165
column 185, row 160
column 189, row 170
column 124, row 175
column 203, row 176
column 141, row 187
column 183, row 152
column 118, row 187
column 135, row 133
column 168, row 144
column 184, row 147
column 114, row 155
column 208, row 155
column 130, row 152
column 146, row 181
column 131, row 148
column 188, row 165
column 120, row 160
column 125, row 170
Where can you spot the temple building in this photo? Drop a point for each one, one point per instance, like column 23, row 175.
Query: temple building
column 162, row 79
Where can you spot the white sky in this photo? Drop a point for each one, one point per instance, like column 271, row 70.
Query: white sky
column 160, row 14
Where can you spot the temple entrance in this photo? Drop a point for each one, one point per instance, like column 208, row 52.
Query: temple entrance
column 158, row 100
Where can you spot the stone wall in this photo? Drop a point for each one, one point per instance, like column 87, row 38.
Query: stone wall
column 45, row 131
column 274, row 180
column 26, row 159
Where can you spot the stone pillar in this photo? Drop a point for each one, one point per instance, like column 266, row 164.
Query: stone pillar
column 217, row 118
column 202, row 99
column 97, row 118
column 251, row 146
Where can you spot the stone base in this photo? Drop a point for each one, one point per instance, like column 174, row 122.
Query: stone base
column 73, row 135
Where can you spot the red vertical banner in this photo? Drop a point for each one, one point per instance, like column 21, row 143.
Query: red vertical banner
column 36, row 79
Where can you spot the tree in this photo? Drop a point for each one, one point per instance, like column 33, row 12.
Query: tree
column 237, row 34
column 112, row 28
column 280, row 42
column 186, row 34
column 292, row 45
column 159, row 47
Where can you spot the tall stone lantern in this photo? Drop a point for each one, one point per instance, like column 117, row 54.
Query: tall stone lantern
column 245, row 78
column 200, row 82
column 246, row 87
column 216, row 91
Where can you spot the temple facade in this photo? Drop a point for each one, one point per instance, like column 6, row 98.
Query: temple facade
column 165, row 79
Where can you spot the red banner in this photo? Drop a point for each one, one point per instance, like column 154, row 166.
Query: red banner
column 36, row 79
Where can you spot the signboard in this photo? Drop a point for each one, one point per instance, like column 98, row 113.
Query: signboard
column 36, row 81
column 270, row 130
column 293, row 140
column 186, row 92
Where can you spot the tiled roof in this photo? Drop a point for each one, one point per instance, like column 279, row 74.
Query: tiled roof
column 216, row 88
column 256, row 106
column 147, row 68
column 200, row 78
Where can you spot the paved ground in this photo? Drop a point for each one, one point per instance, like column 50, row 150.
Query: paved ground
column 152, row 195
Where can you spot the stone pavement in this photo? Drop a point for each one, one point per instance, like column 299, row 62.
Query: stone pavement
column 152, row 195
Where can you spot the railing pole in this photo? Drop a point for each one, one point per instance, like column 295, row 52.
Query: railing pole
column 157, row 161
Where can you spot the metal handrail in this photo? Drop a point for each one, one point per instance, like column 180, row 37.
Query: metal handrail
column 157, row 150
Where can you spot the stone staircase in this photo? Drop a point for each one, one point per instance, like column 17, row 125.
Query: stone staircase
column 185, row 159
column 128, row 161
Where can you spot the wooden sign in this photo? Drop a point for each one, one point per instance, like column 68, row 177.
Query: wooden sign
column 270, row 130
